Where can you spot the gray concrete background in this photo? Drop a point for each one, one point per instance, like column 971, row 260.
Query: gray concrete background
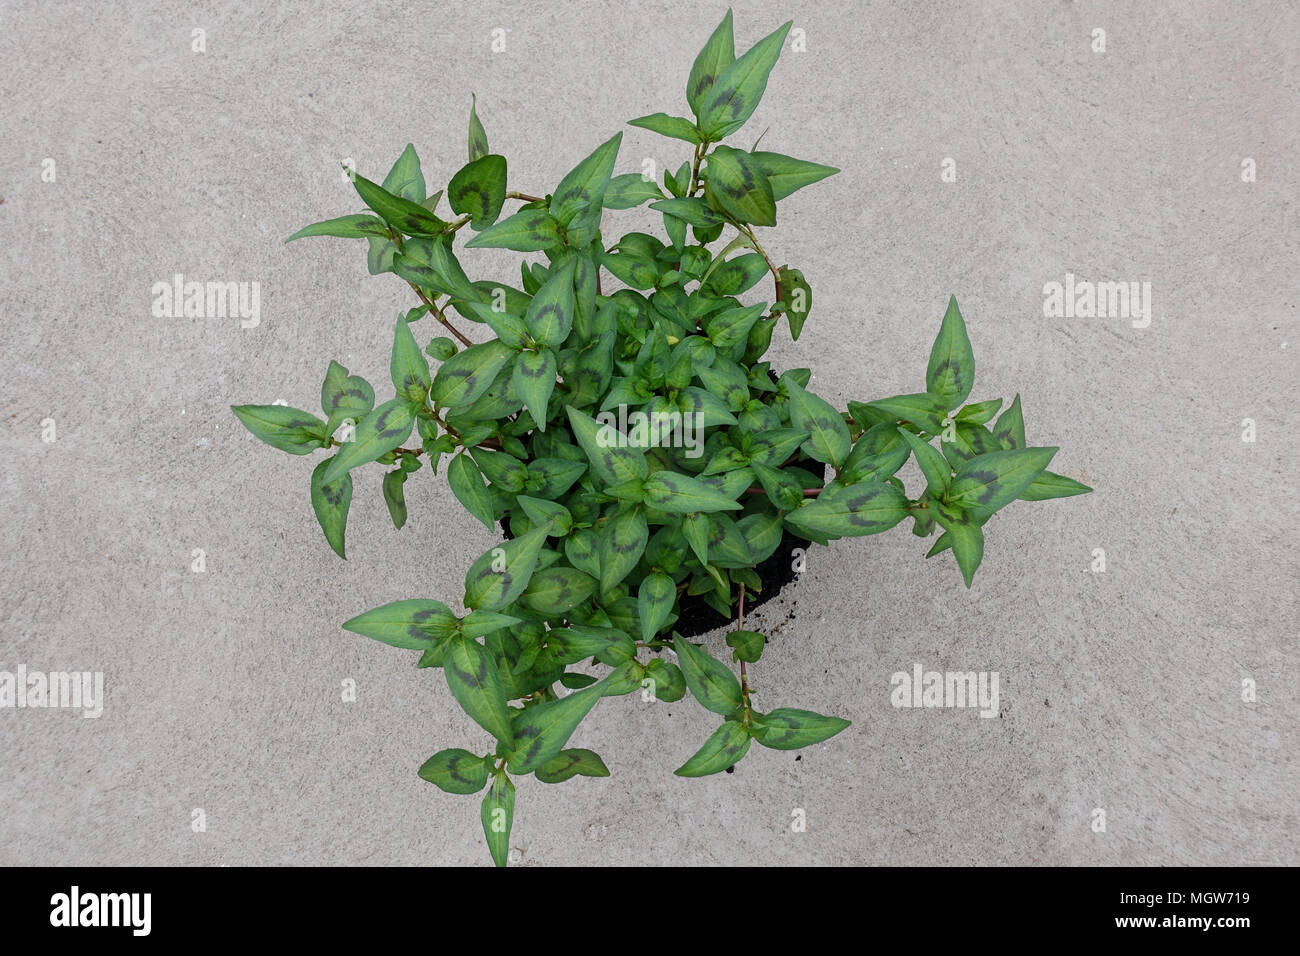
column 1120, row 690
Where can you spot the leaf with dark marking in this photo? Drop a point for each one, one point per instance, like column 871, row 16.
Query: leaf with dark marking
column 541, row 732
column 456, row 771
column 725, row 748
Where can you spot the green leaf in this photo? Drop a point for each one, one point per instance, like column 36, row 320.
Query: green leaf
column 951, row 371
column 966, row 538
column 633, row 271
column 735, row 184
column 509, row 328
column 501, row 574
column 726, row 380
column 534, row 379
column 630, row 189
column 696, row 528
column 828, row 436
column 922, row 409
column 582, row 192
column 376, row 434
column 773, row 446
column 580, row 550
column 729, row 329
column 669, row 685
column 478, row 141
column 418, row 624
column 725, row 748
column 479, row 190
column 879, row 453
column 786, row 174
column 762, row 531
column 497, row 815
column 577, row 642
column 713, row 685
column 665, row 125
column 937, row 471
column 681, row 494
column 440, row 347
column 408, row 367
column 456, row 771
column 1050, row 485
column 467, row 485
column 555, row 590
column 357, row 226
column 623, row 679
column 480, row 623
column 738, row 88
column 782, row 489
column 570, row 763
column 438, row 255
column 380, row 255
column 395, row 497
column 966, row 441
column 344, row 396
column 282, row 427
column 1009, row 429
column 405, row 178
column 550, row 313
column 719, row 52
column 941, row 544
column 475, row 681
column 551, row 514
column 611, row 464
column 865, row 507
column 402, row 214
column 796, row 294
column 551, row 477
column 622, row 541
column 737, row 275
column 655, row 599
column 985, row 483
column 789, row 729
column 748, row 645
column 542, row 731
column 528, row 230
column 980, row 412
column 469, row 373
column 694, row 212
column 330, row 502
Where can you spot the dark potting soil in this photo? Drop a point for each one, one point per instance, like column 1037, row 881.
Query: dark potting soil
column 696, row 617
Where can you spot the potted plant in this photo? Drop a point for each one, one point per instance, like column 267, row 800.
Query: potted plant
column 641, row 458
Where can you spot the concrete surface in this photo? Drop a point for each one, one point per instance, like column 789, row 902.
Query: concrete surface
column 1120, row 690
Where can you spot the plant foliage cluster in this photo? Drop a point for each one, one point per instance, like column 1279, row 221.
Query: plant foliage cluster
column 610, row 532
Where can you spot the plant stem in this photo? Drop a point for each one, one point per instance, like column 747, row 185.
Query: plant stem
column 740, row 626
column 700, row 150
column 776, row 273
column 807, row 492
column 439, row 314
column 524, row 196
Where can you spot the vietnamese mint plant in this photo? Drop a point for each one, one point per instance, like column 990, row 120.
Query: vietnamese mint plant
column 611, row 420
